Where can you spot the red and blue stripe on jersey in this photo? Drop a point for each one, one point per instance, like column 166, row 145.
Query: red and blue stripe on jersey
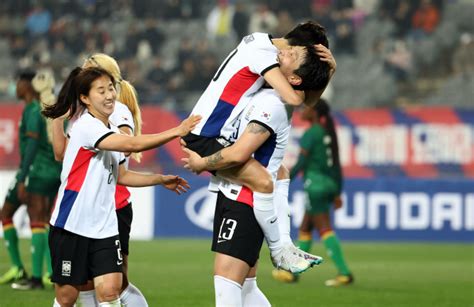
column 240, row 83
column 75, row 180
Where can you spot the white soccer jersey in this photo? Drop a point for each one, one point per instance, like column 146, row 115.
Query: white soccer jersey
column 122, row 117
column 240, row 75
column 85, row 204
column 267, row 109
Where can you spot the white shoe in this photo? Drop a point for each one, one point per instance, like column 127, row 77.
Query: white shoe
column 291, row 259
column 314, row 259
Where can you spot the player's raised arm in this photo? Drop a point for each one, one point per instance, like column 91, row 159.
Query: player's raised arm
column 279, row 82
column 125, row 143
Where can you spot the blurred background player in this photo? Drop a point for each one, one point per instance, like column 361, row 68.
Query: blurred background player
column 319, row 161
column 43, row 183
column 36, row 185
column 126, row 117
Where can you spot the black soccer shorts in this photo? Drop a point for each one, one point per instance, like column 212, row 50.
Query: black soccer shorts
column 124, row 219
column 204, row 146
column 236, row 231
column 77, row 259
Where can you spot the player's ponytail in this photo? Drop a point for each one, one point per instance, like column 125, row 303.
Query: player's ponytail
column 68, row 98
column 126, row 92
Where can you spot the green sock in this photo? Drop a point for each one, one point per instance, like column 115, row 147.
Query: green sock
column 11, row 242
column 47, row 254
column 37, row 250
column 333, row 247
column 305, row 241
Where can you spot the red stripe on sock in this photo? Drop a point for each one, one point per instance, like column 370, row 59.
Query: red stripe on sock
column 7, row 222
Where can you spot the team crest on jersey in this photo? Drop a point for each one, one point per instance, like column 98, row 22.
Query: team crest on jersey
column 249, row 38
column 266, row 115
column 66, row 268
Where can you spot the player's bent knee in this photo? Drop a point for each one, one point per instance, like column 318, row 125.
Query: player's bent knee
column 283, row 173
column 264, row 185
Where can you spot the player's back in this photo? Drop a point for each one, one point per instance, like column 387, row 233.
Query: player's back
column 240, row 75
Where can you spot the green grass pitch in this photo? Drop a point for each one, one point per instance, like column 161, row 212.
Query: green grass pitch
column 178, row 272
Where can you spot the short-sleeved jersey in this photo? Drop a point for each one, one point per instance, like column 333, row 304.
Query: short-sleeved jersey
column 85, row 204
column 240, row 75
column 44, row 165
column 122, row 117
column 317, row 143
column 266, row 109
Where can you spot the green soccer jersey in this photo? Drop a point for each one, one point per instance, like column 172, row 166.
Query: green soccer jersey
column 44, row 165
column 319, row 161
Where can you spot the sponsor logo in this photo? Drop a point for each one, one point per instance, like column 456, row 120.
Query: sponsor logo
column 249, row 39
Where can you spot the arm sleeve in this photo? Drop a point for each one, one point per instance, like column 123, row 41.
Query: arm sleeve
column 92, row 132
column 31, row 149
column 264, row 54
column 268, row 111
column 34, row 124
column 122, row 117
column 306, row 144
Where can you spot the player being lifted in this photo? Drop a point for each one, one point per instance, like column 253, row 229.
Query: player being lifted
column 259, row 58
column 237, row 237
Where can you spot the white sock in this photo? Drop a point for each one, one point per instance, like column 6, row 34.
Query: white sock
column 56, row 303
column 265, row 214
column 87, row 299
column 252, row 296
column 132, row 297
column 228, row 292
column 283, row 209
column 114, row 303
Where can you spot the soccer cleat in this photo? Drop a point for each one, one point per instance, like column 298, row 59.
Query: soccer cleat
column 314, row 259
column 290, row 259
column 340, row 280
column 28, row 284
column 284, row 276
column 13, row 274
column 47, row 280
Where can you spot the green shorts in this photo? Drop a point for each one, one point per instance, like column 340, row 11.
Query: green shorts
column 320, row 191
column 43, row 186
column 12, row 194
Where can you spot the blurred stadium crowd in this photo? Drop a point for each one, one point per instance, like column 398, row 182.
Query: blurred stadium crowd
column 389, row 52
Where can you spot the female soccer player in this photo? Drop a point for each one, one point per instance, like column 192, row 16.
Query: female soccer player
column 319, row 161
column 84, row 231
column 127, row 117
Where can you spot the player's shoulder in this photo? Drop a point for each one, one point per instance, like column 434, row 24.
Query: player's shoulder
column 268, row 98
column 257, row 40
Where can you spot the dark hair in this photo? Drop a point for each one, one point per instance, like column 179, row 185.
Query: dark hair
column 307, row 33
column 323, row 110
column 77, row 83
column 314, row 73
column 26, row 75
